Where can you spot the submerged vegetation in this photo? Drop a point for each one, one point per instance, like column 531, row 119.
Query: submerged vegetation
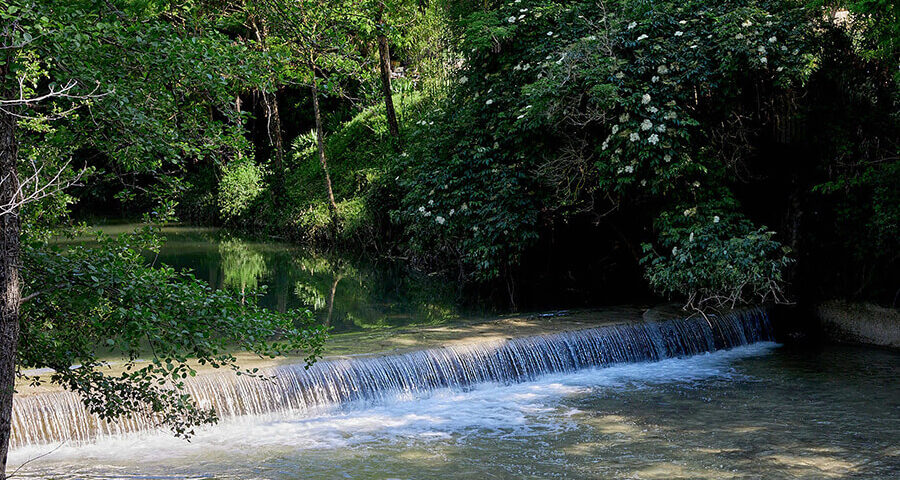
column 718, row 153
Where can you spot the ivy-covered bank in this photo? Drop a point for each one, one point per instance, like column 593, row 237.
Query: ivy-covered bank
column 615, row 111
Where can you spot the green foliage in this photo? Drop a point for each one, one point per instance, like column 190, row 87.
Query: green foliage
column 242, row 182
column 142, row 90
column 716, row 259
column 873, row 24
column 562, row 107
column 314, row 40
column 360, row 155
column 108, row 299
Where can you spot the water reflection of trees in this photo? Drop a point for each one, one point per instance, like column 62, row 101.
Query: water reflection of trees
column 242, row 265
column 346, row 292
column 350, row 296
column 318, row 285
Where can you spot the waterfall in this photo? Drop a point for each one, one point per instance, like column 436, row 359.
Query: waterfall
column 61, row 416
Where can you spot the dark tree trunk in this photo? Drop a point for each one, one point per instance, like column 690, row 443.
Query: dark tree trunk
column 10, row 294
column 273, row 121
column 274, row 129
column 384, row 54
column 320, row 142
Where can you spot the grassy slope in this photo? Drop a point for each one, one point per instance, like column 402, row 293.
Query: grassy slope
column 359, row 153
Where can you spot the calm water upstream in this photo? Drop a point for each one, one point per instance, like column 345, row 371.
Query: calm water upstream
column 758, row 411
column 346, row 293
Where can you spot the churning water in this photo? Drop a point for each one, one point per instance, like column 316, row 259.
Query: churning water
column 61, row 417
column 630, row 401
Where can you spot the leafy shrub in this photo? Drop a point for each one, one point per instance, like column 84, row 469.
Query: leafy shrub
column 564, row 108
column 241, row 183
column 716, row 259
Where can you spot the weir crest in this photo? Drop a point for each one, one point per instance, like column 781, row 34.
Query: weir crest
column 61, row 417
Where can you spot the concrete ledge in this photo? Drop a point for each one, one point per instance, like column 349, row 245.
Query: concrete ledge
column 393, row 340
column 859, row 323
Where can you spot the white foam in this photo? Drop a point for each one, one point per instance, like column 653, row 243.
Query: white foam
column 534, row 407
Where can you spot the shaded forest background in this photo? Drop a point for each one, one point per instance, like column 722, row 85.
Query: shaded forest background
column 499, row 173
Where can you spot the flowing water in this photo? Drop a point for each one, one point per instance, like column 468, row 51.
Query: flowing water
column 689, row 398
column 601, row 403
column 61, row 416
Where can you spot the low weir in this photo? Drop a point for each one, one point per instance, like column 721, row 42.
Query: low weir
column 61, row 417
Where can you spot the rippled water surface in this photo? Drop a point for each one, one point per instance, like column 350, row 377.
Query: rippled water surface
column 759, row 411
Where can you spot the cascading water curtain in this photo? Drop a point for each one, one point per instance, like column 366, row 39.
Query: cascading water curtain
column 60, row 416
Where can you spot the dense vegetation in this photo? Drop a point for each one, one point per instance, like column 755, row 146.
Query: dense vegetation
column 715, row 152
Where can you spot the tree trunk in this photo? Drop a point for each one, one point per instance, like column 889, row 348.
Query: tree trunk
column 320, row 142
column 334, row 285
column 274, row 128
column 10, row 294
column 384, row 57
column 384, row 54
column 273, row 120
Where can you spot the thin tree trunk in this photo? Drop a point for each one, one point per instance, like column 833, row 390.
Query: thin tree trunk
column 10, row 294
column 384, row 54
column 273, row 121
column 320, row 142
column 274, row 128
column 237, row 109
column 334, row 285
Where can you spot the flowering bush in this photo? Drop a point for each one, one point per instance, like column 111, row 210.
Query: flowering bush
column 716, row 258
column 562, row 107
